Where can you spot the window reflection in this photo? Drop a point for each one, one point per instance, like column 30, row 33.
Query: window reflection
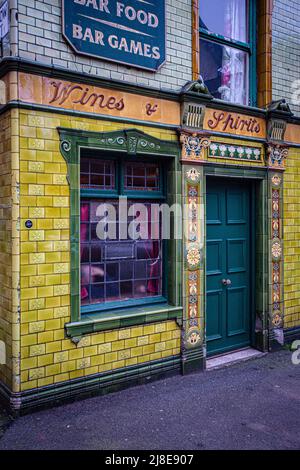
column 225, row 17
column 117, row 269
column 225, row 71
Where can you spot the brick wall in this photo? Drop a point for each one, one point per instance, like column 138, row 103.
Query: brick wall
column 40, row 39
column 286, row 51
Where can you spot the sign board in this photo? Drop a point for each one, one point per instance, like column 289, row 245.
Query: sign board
column 3, row 19
column 233, row 123
column 131, row 32
column 85, row 98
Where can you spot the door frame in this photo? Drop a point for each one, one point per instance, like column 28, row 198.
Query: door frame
column 258, row 179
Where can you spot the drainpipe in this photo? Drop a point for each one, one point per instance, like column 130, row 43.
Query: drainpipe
column 14, row 33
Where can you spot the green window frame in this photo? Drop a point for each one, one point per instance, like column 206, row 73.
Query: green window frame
column 138, row 195
column 124, row 144
column 249, row 47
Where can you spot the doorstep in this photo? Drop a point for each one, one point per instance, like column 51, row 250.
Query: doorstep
column 228, row 359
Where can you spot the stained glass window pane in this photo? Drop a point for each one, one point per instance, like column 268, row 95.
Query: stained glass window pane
column 119, row 268
column 142, row 177
column 95, row 174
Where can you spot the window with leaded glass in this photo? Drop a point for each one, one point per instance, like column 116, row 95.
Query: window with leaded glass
column 121, row 257
column 227, row 49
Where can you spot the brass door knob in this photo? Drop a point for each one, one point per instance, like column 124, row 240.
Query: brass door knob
column 226, row 282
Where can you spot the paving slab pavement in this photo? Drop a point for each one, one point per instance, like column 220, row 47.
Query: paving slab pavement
column 251, row 405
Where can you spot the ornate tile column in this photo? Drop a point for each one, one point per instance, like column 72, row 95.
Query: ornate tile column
column 195, row 143
column 193, row 335
column 276, row 155
column 276, row 159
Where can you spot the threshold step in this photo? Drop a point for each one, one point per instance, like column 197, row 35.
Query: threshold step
column 231, row 358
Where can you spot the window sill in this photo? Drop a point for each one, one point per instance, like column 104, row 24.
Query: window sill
column 122, row 319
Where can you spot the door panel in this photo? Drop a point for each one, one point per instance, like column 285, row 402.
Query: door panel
column 227, row 265
column 214, row 304
column 236, row 206
column 236, row 302
column 214, row 257
column 236, row 255
column 214, row 203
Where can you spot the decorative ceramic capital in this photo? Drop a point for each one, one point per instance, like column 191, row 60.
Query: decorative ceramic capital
column 276, row 155
column 193, row 145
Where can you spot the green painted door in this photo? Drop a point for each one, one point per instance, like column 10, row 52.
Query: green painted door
column 227, row 265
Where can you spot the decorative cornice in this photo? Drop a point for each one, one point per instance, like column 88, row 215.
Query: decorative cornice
column 237, row 108
column 278, row 115
column 16, row 64
column 82, row 114
column 280, row 106
column 130, row 141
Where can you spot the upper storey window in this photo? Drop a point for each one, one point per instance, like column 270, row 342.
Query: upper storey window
column 227, row 49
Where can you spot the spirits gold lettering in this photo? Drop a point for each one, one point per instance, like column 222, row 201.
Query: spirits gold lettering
column 231, row 121
column 217, row 119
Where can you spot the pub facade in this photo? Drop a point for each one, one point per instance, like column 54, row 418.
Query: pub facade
column 106, row 105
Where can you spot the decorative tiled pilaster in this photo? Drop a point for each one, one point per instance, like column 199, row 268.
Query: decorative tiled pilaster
column 192, row 354
column 276, row 251
column 276, row 155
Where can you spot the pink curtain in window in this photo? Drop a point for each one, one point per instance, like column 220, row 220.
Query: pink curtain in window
column 84, row 217
column 153, row 284
column 233, row 66
column 153, row 252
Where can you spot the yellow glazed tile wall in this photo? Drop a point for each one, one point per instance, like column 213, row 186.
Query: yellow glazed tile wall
column 9, row 249
column 47, row 357
column 6, row 246
column 291, row 226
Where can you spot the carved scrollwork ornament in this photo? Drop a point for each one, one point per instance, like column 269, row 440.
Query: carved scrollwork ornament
column 66, row 146
column 276, row 156
column 192, row 145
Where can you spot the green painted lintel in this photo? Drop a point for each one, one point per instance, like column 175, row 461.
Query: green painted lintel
column 234, row 171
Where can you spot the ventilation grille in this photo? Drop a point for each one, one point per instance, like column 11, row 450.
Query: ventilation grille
column 193, row 116
column 277, row 130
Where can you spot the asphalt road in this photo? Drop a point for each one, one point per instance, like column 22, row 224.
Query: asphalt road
column 251, row 405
